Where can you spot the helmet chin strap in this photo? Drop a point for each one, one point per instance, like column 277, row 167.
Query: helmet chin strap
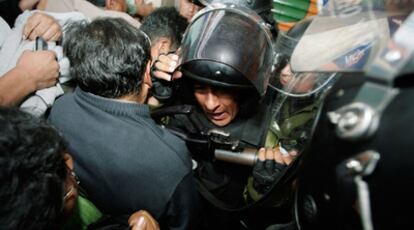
column 364, row 203
column 356, row 168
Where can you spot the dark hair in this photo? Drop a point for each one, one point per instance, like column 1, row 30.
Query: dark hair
column 108, row 56
column 100, row 3
column 32, row 172
column 165, row 22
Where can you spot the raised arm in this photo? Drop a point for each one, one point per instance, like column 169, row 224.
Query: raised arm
column 33, row 71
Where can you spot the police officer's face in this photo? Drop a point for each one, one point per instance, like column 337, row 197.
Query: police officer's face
column 187, row 9
column 299, row 83
column 219, row 106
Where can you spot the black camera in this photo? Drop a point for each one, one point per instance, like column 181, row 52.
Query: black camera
column 40, row 44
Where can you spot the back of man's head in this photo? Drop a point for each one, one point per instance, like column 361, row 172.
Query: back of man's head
column 165, row 22
column 32, row 172
column 108, row 56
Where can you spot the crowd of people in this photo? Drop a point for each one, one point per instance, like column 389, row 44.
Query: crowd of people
column 113, row 113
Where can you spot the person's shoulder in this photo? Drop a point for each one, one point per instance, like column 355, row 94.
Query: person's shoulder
column 60, row 107
column 160, row 147
column 175, row 144
column 66, row 98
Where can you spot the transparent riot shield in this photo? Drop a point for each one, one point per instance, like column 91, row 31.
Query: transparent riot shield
column 347, row 37
column 299, row 95
column 340, row 180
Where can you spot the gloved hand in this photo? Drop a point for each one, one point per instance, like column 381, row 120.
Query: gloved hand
column 165, row 67
column 162, row 75
column 265, row 173
column 162, row 90
column 269, row 168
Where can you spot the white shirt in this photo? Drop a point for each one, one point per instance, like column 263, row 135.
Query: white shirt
column 4, row 31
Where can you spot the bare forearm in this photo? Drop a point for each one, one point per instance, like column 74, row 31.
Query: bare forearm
column 14, row 87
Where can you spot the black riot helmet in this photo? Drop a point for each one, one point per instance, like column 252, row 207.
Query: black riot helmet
column 261, row 7
column 228, row 46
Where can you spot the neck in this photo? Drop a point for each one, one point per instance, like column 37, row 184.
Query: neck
column 132, row 98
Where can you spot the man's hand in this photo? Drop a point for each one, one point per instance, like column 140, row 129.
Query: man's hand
column 43, row 25
column 274, row 154
column 40, row 67
column 269, row 167
column 164, row 67
column 142, row 220
column 143, row 9
column 28, row 4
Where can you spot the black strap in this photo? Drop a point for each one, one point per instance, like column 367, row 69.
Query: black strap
column 210, row 197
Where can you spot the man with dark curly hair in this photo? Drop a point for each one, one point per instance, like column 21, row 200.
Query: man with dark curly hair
column 38, row 189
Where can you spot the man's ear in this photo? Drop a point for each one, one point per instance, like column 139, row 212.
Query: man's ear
column 163, row 45
column 147, row 75
column 145, row 85
column 68, row 160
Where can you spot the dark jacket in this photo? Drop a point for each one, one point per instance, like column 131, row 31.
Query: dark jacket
column 222, row 180
column 125, row 161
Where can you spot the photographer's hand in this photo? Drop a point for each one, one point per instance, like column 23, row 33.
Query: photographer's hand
column 34, row 70
column 42, row 25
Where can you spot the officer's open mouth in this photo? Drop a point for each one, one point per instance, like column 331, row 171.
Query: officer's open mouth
column 217, row 116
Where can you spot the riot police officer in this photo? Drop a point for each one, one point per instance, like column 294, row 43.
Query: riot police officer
column 226, row 60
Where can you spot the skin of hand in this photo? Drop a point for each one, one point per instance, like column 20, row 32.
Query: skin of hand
column 276, row 155
column 143, row 9
column 40, row 67
column 142, row 220
column 42, row 5
column 116, row 5
column 27, row 4
column 34, row 70
column 165, row 66
column 43, row 25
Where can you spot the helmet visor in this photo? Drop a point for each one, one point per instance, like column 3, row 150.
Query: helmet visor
column 289, row 82
column 232, row 36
